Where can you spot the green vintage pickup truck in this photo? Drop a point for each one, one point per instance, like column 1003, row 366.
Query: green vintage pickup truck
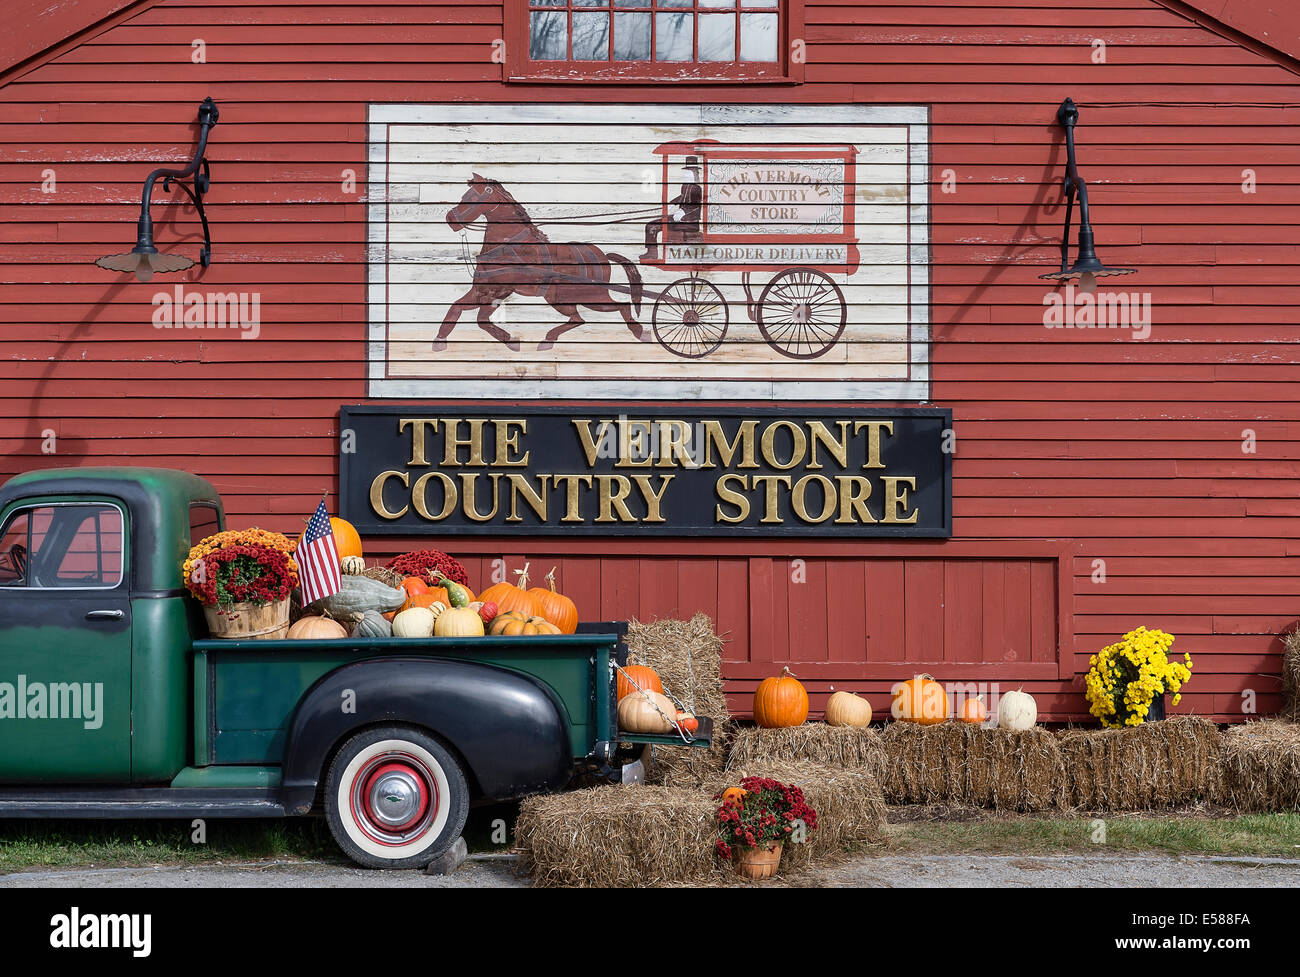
column 114, row 703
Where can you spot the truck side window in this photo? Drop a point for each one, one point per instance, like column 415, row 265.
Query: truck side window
column 15, row 550
column 63, row 546
column 204, row 521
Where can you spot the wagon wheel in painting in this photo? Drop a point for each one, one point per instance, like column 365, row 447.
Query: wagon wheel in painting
column 690, row 318
column 801, row 313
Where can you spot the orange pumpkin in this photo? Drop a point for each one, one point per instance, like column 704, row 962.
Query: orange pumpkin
column 513, row 623
column 735, row 796
column 346, row 538
column 508, row 597
column 920, row 700
column 426, row 599
column 973, row 710
column 642, row 675
column 414, row 586
column 555, row 607
column 780, row 701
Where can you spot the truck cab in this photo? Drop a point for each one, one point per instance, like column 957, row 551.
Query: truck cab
column 114, row 702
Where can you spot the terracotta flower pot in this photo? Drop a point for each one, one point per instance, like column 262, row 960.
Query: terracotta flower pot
column 757, row 863
column 256, row 621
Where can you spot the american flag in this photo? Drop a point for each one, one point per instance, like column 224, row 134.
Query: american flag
column 318, row 559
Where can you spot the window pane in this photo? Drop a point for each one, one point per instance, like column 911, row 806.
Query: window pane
column 94, row 554
column 630, row 3
column 673, row 37
column 717, row 37
column 589, row 3
column 758, row 3
column 203, row 522
column 14, row 551
column 675, row 3
column 631, row 37
column 758, row 37
column 591, row 37
column 548, row 3
column 548, row 35
column 718, row 3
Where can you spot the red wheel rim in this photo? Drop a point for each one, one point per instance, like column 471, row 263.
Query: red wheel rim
column 394, row 798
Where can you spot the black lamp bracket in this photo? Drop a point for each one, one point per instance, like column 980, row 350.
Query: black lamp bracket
column 1068, row 116
column 197, row 168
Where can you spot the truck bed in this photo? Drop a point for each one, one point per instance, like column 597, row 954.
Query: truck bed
column 245, row 692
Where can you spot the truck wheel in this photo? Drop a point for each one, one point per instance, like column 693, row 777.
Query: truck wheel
column 395, row 798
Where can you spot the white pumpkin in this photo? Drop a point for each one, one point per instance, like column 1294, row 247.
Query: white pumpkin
column 414, row 622
column 1017, row 711
column 637, row 712
column 847, row 709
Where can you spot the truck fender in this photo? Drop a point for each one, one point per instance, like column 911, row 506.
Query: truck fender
column 510, row 730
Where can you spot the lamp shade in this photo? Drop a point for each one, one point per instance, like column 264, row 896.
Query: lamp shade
column 144, row 264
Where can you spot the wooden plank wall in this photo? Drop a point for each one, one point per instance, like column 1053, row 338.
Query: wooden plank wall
column 1136, row 453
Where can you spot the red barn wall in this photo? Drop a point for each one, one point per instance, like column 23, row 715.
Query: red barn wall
column 1073, row 447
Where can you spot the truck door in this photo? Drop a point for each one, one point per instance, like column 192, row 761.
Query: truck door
column 65, row 642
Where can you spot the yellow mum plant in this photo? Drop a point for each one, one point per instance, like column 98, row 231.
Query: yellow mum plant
column 1125, row 677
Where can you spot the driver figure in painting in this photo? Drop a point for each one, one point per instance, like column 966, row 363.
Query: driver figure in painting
column 683, row 220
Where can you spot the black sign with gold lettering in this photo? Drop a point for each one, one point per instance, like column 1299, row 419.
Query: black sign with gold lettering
column 594, row 471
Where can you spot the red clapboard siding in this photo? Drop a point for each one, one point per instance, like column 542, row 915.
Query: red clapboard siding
column 1100, row 482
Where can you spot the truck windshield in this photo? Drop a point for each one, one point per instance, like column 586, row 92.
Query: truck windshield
column 63, row 545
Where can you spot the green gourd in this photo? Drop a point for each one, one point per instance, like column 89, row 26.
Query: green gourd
column 457, row 594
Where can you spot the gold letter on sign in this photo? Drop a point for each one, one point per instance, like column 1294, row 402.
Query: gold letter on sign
column 896, row 499
column 873, row 440
column 419, row 457
column 377, row 494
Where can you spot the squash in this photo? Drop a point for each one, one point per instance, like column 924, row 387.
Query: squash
column 646, row 712
column 780, row 701
column 486, row 610
column 457, row 596
column 313, row 627
column 847, row 709
column 920, row 700
column 973, row 710
column 358, row 595
column 372, row 625
column 1017, row 711
column 458, row 622
column 643, row 675
column 555, row 607
column 687, row 722
column 414, row 622
column 508, row 597
column 352, row 565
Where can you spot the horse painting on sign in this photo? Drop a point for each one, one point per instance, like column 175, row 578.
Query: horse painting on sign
column 516, row 257
column 643, row 251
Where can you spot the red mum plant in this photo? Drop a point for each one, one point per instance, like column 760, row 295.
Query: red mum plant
column 767, row 811
column 247, row 573
column 429, row 565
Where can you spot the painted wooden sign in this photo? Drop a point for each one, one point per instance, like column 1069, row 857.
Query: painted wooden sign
column 838, row 472
column 649, row 251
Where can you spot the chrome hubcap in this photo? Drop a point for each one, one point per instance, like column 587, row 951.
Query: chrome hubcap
column 395, row 798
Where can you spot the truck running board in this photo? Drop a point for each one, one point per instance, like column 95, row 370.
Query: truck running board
column 140, row 802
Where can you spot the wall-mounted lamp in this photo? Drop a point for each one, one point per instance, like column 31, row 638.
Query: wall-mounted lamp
column 1087, row 266
column 144, row 259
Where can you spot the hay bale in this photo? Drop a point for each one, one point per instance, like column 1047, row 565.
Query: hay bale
column 835, row 746
column 1261, row 766
column 962, row 764
column 679, row 766
column 849, row 804
column 636, row 836
column 1157, row 764
column 687, row 655
column 1291, row 674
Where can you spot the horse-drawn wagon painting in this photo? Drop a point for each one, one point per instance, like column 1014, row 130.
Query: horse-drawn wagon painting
column 649, row 251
